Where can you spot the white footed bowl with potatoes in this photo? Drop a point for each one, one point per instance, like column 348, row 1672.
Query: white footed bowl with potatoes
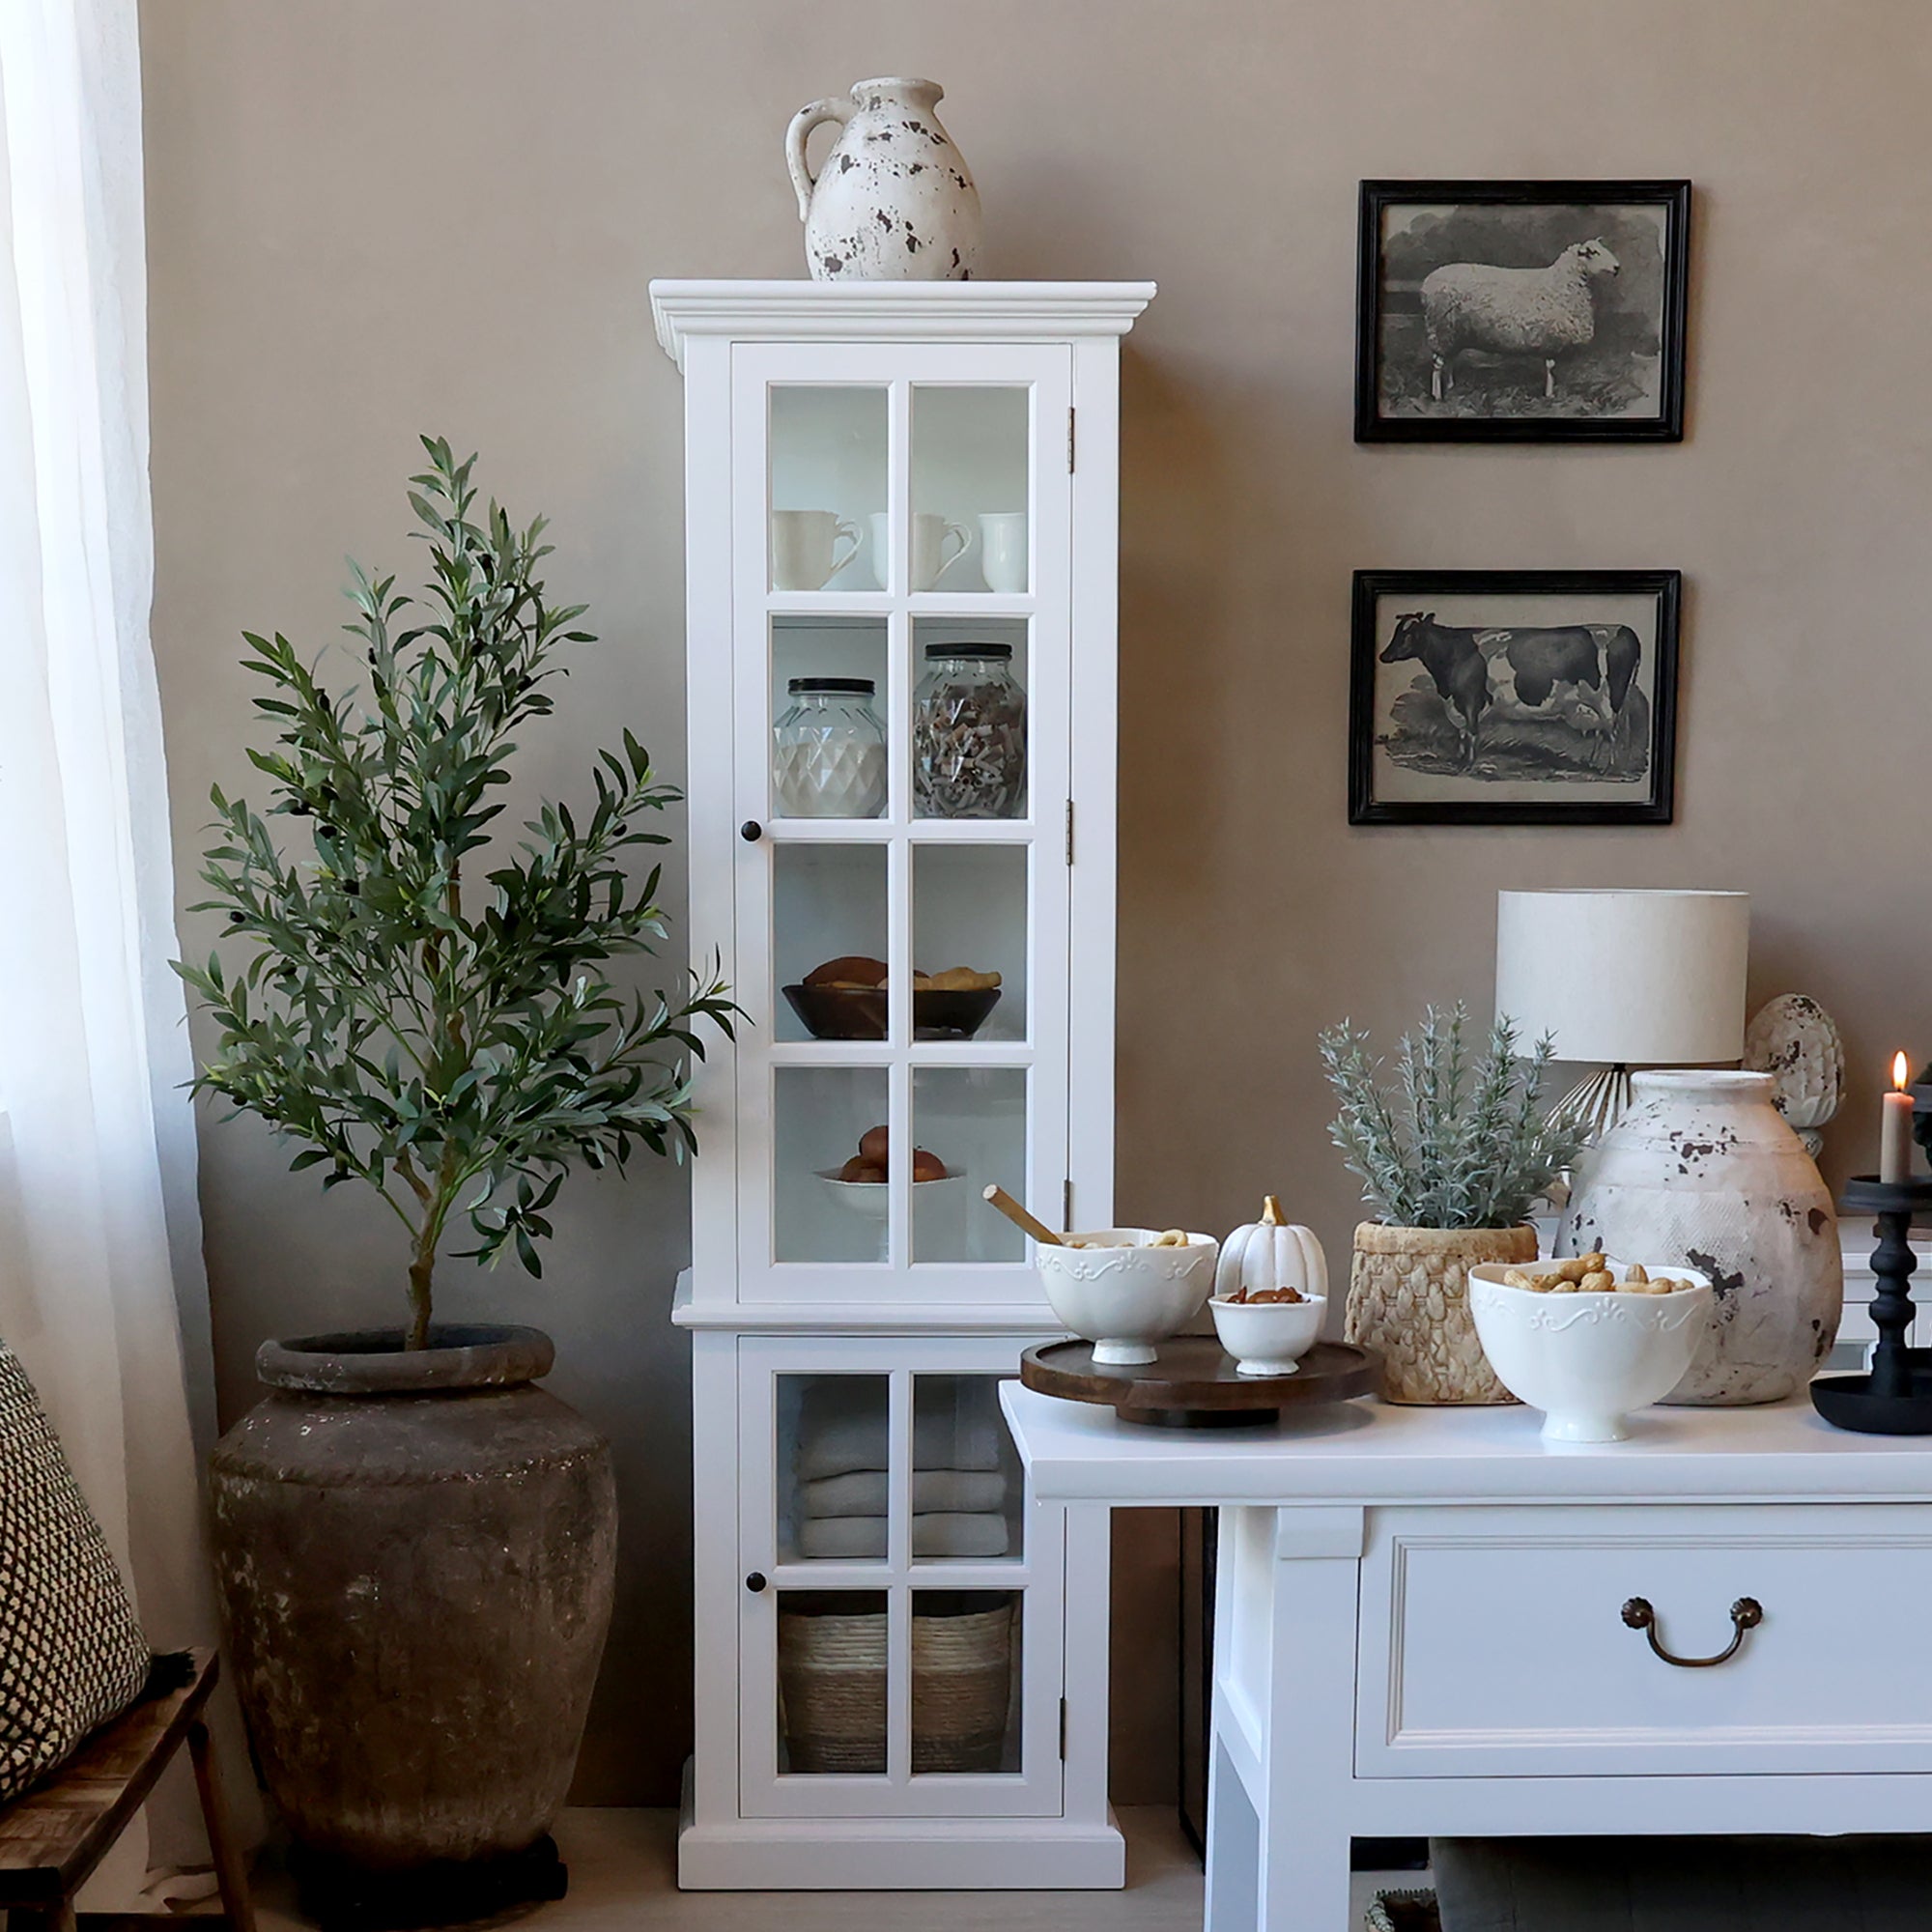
column 1127, row 1288
column 1588, row 1340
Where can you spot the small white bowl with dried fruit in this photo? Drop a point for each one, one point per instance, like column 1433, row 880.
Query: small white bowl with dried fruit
column 1127, row 1288
column 1588, row 1339
column 1268, row 1330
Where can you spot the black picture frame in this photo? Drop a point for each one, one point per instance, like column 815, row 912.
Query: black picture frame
column 1672, row 201
column 1655, row 804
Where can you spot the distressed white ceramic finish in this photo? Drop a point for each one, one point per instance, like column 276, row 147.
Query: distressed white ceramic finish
column 1268, row 1338
column 1796, row 1041
column 893, row 201
column 1124, row 1300
column 1587, row 1360
column 1703, row 1172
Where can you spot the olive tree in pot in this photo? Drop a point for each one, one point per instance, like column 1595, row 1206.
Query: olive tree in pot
column 1453, row 1158
column 415, row 1544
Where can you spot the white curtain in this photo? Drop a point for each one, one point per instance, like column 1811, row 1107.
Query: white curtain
column 100, row 1243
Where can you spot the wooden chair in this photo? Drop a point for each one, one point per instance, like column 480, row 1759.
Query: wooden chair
column 52, row 1839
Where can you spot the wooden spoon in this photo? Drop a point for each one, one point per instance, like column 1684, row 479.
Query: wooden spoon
column 997, row 1196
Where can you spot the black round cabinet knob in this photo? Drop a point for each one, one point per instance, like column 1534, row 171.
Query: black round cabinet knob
column 755, row 1581
column 750, row 831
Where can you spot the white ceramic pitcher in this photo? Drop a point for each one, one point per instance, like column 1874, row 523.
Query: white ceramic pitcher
column 894, row 201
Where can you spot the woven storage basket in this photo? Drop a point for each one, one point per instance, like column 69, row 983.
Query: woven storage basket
column 831, row 1690
column 962, row 1684
column 1408, row 1298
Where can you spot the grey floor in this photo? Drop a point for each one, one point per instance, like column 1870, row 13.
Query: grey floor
column 623, row 1868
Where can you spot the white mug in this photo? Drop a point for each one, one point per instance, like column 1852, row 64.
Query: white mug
column 1002, row 550
column 805, row 548
column 930, row 535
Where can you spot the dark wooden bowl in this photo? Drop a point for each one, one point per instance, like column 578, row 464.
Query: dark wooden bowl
column 859, row 1012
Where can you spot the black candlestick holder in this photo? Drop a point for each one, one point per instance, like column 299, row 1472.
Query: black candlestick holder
column 1894, row 1396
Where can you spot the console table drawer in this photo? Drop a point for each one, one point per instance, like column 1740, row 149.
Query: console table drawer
column 1493, row 1641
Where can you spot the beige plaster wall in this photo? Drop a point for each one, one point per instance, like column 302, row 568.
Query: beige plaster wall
column 373, row 217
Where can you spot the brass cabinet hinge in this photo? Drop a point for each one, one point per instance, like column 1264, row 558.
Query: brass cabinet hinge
column 1069, row 832
column 1069, row 438
column 1063, row 1730
column 1066, row 1207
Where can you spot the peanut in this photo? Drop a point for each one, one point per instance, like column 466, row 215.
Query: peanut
column 1600, row 1281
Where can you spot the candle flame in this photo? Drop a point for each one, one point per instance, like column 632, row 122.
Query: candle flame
column 1900, row 1071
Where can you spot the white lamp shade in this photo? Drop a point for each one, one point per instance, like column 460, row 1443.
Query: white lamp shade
column 1651, row 978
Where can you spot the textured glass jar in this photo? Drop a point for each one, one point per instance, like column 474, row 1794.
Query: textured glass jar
column 969, row 734
column 829, row 750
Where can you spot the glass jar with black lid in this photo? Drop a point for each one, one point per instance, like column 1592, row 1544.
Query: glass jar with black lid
column 969, row 734
column 829, row 750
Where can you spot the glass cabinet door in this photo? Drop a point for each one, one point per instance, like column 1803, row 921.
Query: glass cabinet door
column 902, row 694
column 900, row 1640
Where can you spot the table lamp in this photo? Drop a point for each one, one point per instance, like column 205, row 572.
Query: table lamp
column 1624, row 979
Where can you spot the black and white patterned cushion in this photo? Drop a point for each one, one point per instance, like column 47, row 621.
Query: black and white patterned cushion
column 71, row 1653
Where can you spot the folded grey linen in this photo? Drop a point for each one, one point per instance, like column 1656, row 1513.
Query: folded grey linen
column 863, row 1538
column 865, row 1491
column 1682, row 1884
column 840, row 1430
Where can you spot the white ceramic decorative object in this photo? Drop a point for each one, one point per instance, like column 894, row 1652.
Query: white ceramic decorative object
column 1703, row 1172
column 805, row 552
column 1003, row 551
column 1268, row 1338
column 894, row 201
column 1795, row 1040
column 1587, row 1360
column 1125, row 1298
column 1272, row 1253
column 936, row 547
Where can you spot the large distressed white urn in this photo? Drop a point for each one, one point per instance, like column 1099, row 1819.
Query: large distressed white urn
column 894, row 201
column 1702, row 1171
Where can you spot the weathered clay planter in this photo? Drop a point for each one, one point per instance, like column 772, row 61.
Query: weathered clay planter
column 1409, row 1298
column 1701, row 1168
column 415, row 1552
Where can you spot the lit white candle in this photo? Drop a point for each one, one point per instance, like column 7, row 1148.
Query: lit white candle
column 1894, row 1147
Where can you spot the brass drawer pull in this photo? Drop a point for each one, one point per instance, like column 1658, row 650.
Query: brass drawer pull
column 1747, row 1613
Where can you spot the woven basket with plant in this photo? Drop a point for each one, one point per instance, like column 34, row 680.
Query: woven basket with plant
column 1453, row 1156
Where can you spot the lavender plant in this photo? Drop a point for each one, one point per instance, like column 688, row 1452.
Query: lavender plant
column 417, row 1008
column 1458, row 1141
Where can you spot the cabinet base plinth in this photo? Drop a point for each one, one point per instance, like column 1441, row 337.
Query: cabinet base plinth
column 899, row 1855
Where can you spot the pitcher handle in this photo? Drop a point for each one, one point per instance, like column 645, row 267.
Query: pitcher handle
column 966, row 539
column 796, row 135
column 850, row 533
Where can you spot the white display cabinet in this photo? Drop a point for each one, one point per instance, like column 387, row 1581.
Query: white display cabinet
column 901, row 553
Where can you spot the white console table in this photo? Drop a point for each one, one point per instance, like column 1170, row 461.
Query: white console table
column 1419, row 1628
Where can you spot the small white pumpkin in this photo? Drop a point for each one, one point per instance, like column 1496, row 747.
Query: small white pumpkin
column 1272, row 1253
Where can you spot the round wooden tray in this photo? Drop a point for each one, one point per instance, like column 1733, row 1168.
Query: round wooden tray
column 1193, row 1383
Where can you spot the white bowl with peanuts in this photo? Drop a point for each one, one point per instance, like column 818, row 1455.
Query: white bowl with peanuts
column 1588, row 1339
column 1127, row 1289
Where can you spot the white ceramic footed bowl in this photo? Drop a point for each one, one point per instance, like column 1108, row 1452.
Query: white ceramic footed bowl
column 873, row 1198
column 1124, row 1300
column 1268, row 1338
column 1587, row 1360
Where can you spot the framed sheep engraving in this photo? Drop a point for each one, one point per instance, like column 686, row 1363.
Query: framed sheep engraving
column 1513, row 697
column 1521, row 311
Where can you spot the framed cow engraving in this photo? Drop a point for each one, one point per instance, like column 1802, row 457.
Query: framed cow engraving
column 1513, row 697
column 1521, row 311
